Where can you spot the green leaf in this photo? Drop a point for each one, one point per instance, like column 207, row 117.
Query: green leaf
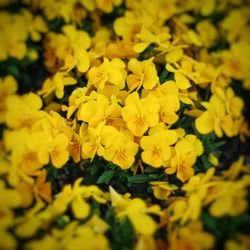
column 106, row 176
column 163, row 76
column 138, row 178
column 93, row 169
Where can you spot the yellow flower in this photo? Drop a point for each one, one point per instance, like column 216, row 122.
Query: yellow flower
column 56, row 84
column 23, row 111
column 93, row 143
column 58, row 151
column 129, row 25
column 8, row 86
column 67, row 50
column 226, row 195
column 235, row 63
column 137, row 212
column 35, row 218
column 191, row 237
column 207, row 32
column 79, row 41
column 75, row 197
column 184, row 157
column 162, row 189
column 235, row 23
column 156, row 146
column 223, row 107
column 14, row 33
column 120, row 49
column 234, row 104
column 185, row 209
column 36, row 25
column 108, row 73
column 140, row 114
column 120, row 148
column 48, row 146
column 235, row 169
column 156, row 35
column 100, row 110
column 144, row 74
column 77, row 97
column 168, row 95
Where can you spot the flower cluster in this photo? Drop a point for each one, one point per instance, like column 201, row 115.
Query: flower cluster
column 112, row 119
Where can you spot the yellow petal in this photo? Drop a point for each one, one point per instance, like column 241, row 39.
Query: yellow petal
column 181, row 81
column 140, row 47
column 174, row 55
column 80, row 208
column 205, row 123
column 142, row 223
column 83, row 60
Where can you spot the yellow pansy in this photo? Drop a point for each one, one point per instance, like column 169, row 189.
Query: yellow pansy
column 23, row 111
column 120, row 49
column 100, row 110
column 79, row 41
column 235, row 169
column 234, row 23
column 75, row 197
column 93, row 143
column 192, row 237
column 168, row 95
column 226, row 195
column 129, row 25
column 222, row 109
column 14, row 33
column 58, row 151
column 156, row 146
column 184, row 157
column 48, row 147
column 137, row 212
column 140, row 114
column 77, row 97
column 144, row 74
column 235, row 63
column 68, row 50
column 174, row 55
column 109, row 72
column 56, row 84
column 207, row 33
column 120, row 148
column 36, row 25
column 155, row 35
column 162, row 189
column 35, row 218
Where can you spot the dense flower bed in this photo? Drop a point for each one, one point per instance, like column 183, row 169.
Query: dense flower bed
column 113, row 119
